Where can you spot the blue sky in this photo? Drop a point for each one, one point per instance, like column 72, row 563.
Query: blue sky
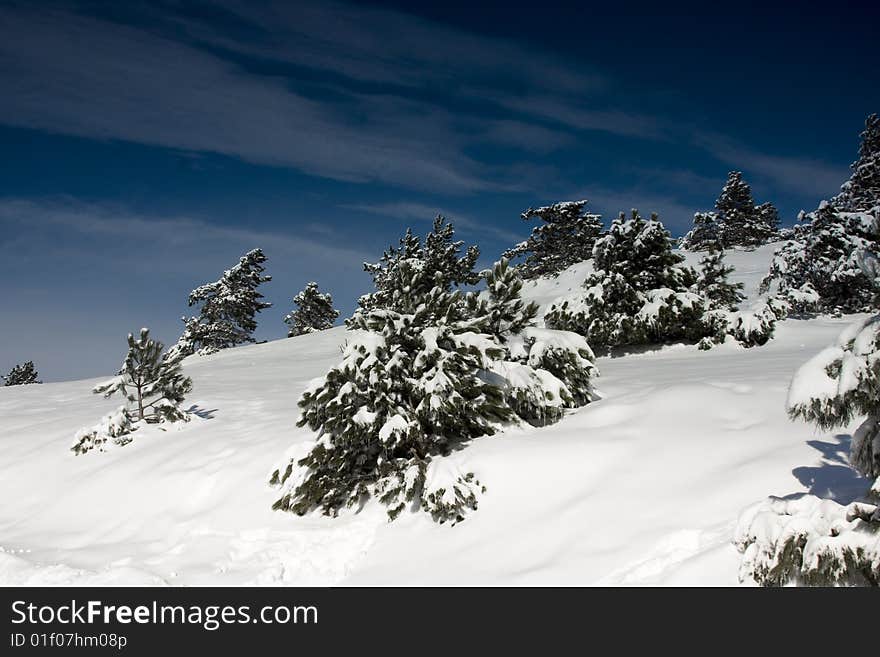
column 147, row 145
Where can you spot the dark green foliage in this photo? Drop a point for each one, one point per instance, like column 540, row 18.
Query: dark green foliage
column 639, row 293
column 704, row 234
column 714, row 285
column 315, row 312
column 767, row 219
column 154, row 386
column 437, row 256
column 424, row 373
column 817, row 270
column 564, row 237
column 862, row 190
column 228, row 308
column 737, row 221
column 22, row 375
column 407, row 392
column 507, row 312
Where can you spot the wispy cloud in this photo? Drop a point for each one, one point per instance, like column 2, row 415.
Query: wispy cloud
column 575, row 113
column 384, row 46
column 806, row 176
column 81, row 76
column 351, row 93
column 422, row 212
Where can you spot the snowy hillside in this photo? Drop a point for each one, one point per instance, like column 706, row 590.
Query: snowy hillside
column 641, row 487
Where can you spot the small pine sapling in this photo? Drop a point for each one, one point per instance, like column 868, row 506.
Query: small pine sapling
column 153, row 387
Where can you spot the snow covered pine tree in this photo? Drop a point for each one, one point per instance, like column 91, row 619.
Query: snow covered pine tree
column 566, row 236
column 639, row 292
column 806, row 539
column 22, row 375
column 862, row 190
column 424, row 373
column 704, row 235
column 153, row 388
column 228, row 309
column 315, row 312
column 737, row 221
column 817, row 269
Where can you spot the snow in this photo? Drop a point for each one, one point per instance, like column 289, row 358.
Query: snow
column 643, row 486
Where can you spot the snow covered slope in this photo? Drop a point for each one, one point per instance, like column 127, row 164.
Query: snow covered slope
column 641, row 487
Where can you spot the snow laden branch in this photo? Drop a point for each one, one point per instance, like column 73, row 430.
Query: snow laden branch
column 808, row 540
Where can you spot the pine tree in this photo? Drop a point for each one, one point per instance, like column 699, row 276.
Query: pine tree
column 315, row 312
column 566, row 236
column 153, row 388
column 639, row 293
column 438, row 255
column 740, row 221
column 862, row 191
column 407, row 390
column 21, row 375
column 228, row 308
column 767, row 220
column 424, row 373
column 817, row 270
column 704, row 235
column 714, row 285
column 736, row 207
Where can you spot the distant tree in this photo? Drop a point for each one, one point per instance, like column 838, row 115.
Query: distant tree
column 21, row 375
column 565, row 236
column 153, row 388
column 767, row 220
column 862, row 191
column 817, row 269
column 741, row 222
column 736, row 221
column 227, row 316
column 639, row 292
column 315, row 312
column 704, row 235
